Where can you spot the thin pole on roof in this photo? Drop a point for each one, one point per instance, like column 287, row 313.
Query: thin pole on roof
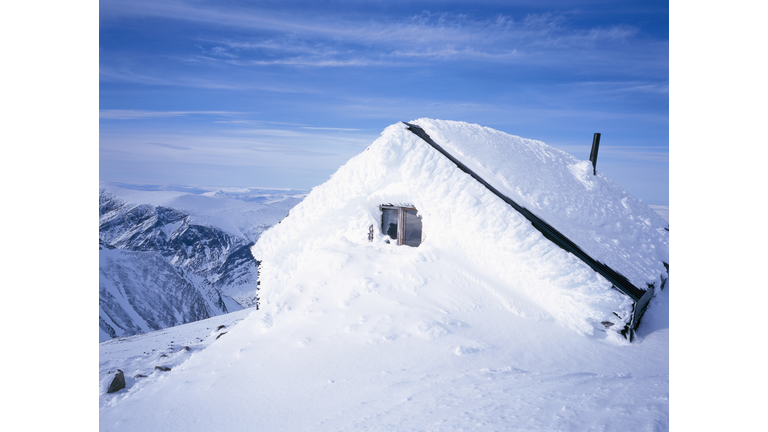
column 593, row 152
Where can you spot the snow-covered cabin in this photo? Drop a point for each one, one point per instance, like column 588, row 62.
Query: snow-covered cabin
column 437, row 209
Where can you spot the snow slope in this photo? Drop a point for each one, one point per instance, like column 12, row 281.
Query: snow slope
column 479, row 368
column 139, row 354
column 141, row 292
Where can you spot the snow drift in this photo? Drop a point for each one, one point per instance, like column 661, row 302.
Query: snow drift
column 472, row 330
column 474, row 241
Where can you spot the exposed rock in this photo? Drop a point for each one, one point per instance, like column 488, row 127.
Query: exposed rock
column 139, row 376
column 220, row 327
column 184, row 348
column 107, row 328
column 220, row 335
column 162, row 368
column 117, row 383
column 163, row 356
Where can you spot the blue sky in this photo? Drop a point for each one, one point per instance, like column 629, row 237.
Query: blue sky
column 280, row 94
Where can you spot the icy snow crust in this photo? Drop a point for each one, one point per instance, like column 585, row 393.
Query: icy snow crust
column 475, row 243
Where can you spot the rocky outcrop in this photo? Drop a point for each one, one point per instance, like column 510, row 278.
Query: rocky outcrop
column 118, row 382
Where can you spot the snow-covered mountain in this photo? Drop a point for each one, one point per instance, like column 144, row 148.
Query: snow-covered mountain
column 172, row 257
column 141, row 292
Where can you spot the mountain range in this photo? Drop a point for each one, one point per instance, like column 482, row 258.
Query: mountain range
column 173, row 257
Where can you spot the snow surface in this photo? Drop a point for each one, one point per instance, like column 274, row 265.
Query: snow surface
column 139, row 354
column 485, row 326
column 477, row 368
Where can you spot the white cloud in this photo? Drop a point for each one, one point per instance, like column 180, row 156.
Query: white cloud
column 141, row 114
column 288, row 151
column 219, row 83
column 170, row 146
column 330, row 128
column 352, row 40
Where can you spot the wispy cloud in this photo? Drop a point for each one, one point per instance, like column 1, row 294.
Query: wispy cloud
column 297, row 38
column 649, row 154
column 636, row 153
column 614, row 87
column 305, row 61
column 288, row 151
column 170, row 146
column 453, row 53
column 330, row 128
column 109, row 74
column 140, row 114
column 256, row 122
column 223, row 52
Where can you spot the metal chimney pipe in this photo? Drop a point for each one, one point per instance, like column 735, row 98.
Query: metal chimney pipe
column 593, row 153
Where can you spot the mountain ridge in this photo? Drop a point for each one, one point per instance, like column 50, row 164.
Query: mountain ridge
column 144, row 246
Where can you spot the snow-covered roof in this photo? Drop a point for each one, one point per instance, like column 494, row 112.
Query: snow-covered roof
column 464, row 220
column 603, row 219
